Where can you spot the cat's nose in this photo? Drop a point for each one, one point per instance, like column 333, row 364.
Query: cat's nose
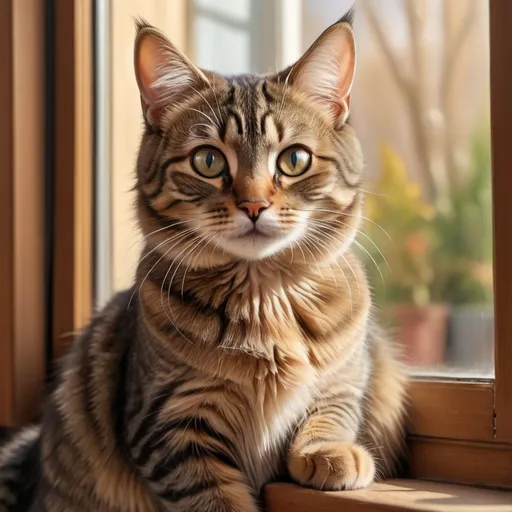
column 253, row 207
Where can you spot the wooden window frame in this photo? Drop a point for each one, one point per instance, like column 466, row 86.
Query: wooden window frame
column 460, row 431
column 73, row 171
column 45, row 180
column 22, row 214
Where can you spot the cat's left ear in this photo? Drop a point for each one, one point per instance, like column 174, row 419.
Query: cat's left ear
column 165, row 76
column 326, row 71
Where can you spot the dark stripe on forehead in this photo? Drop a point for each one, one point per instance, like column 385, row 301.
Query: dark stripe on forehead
column 251, row 100
column 268, row 97
column 231, row 95
column 263, row 122
column 280, row 129
column 222, row 129
column 238, row 120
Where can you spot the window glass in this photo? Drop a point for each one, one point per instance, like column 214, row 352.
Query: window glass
column 421, row 109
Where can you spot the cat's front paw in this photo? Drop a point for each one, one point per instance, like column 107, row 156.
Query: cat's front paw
column 332, row 466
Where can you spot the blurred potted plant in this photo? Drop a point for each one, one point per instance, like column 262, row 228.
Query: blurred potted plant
column 464, row 262
column 410, row 246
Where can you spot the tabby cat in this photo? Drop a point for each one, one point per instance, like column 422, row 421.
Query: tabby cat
column 245, row 351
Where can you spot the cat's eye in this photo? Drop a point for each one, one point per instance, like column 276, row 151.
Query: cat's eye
column 294, row 161
column 209, row 162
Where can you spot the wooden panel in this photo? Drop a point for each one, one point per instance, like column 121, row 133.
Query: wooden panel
column 29, row 155
column 455, row 410
column 73, row 170
column 485, row 464
column 6, row 212
column 22, row 351
column 501, row 125
column 392, row 496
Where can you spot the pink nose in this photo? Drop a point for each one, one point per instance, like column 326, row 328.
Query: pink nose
column 253, row 208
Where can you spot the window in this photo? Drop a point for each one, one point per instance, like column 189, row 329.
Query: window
column 421, row 108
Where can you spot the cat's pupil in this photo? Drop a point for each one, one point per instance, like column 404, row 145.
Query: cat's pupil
column 209, row 159
column 294, row 159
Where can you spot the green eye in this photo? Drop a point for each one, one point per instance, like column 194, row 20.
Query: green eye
column 209, row 162
column 294, row 161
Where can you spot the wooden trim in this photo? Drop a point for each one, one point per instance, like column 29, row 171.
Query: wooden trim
column 73, row 170
column 6, row 214
column 456, row 410
column 482, row 464
column 392, row 496
column 22, row 347
column 501, row 127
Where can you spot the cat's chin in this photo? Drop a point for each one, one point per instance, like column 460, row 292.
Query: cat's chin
column 257, row 246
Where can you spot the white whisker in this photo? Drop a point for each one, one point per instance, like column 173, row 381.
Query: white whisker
column 325, row 223
column 208, row 103
column 193, row 242
column 205, row 115
column 340, row 212
column 193, row 261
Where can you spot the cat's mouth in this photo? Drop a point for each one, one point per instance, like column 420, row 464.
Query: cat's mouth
column 253, row 234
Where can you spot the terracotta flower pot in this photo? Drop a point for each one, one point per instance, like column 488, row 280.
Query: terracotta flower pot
column 421, row 331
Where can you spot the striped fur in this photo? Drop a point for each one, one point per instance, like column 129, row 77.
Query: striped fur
column 19, row 469
column 237, row 357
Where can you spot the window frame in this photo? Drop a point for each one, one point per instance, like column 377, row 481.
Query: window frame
column 73, row 201
column 439, row 409
column 501, row 127
column 22, row 213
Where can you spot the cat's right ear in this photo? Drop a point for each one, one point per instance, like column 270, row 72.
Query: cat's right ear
column 164, row 74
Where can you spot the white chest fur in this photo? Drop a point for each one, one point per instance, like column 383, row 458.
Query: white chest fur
column 270, row 427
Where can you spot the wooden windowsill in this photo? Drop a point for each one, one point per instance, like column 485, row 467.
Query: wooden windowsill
column 391, row 496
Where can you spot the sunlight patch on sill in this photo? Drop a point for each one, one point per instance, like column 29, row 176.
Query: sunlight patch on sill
column 394, row 495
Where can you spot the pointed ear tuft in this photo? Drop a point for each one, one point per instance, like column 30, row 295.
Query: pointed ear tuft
column 140, row 23
column 349, row 16
column 164, row 75
column 326, row 71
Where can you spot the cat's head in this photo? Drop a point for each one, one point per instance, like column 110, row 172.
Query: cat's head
column 249, row 167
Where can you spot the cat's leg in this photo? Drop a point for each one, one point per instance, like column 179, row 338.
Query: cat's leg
column 208, row 494
column 355, row 431
column 191, row 466
column 324, row 453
